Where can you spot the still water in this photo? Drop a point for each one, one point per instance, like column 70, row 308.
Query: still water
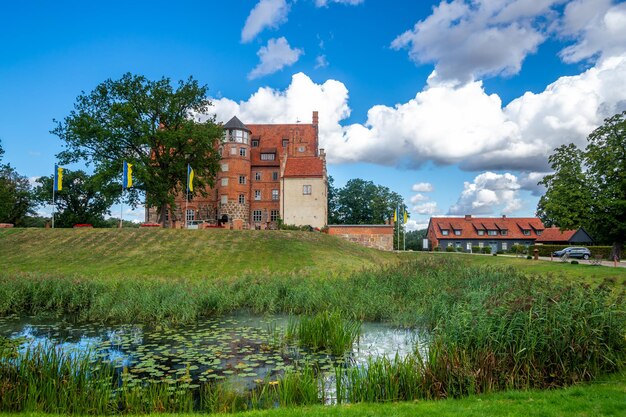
column 240, row 349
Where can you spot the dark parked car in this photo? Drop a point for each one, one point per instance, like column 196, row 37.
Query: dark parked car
column 574, row 252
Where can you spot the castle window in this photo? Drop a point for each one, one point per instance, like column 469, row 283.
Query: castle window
column 257, row 176
column 255, row 143
column 257, row 194
column 224, row 182
column 242, row 151
column 275, row 176
column 256, row 215
column 224, row 167
column 239, row 136
column 274, row 215
column 190, row 215
column 242, row 179
column 306, row 190
column 285, row 143
column 242, row 199
column 224, row 199
column 233, row 151
column 268, row 156
column 274, row 195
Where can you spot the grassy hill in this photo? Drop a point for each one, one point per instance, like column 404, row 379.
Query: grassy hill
column 164, row 253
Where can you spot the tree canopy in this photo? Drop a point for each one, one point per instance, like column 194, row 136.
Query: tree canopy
column 588, row 188
column 151, row 125
column 362, row 202
column 15, row 195
column 83, row 198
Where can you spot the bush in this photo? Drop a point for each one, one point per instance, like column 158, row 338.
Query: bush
column 547, row 250
column 437, row 249
column 500, row 252
column 486, row 249
column 476, row 249
column 529, row 257
column 449, row 249
column 495, row 254
column 574, row 262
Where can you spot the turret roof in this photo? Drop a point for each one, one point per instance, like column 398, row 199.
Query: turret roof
column 235, row 123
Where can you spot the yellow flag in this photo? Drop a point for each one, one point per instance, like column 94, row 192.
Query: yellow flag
column 395, row 215
column 58, row 178
column 128, row 175
column 190, row 175
column 406, row 217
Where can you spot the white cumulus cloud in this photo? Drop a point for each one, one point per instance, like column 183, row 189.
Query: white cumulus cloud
column 489, row 193
column 324, row 3
column 274, row 57
column 598, row 26
column 422, row 187
column 266, row 14
column 470, row 39
column 428, row 208
column 417, row 198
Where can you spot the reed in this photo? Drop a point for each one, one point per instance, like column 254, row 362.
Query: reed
column 328, row 331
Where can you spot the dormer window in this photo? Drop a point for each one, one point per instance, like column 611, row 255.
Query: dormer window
column 457, row 233
column 526, row 232
column 504, row 232
column 539, row 232
column 481, row 233
column 445, row 232
column 268, row 156
column 492, row 232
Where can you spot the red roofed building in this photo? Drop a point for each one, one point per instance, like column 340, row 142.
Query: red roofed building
column 463, row 233
column 268, row 172
column 554, row 236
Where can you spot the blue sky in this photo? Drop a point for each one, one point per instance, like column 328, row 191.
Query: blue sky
column 456, row 105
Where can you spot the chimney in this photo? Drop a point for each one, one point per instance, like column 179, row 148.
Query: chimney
column 315, row 118
column 322, row 154
column 468, row 217
column 504, row 216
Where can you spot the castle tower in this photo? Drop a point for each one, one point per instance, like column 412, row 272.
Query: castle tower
column 233, row 180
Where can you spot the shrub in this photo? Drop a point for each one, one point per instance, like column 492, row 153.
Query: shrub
column 486, row 249
column 449, row 249
column 437, row 249
column 495, row 254
column 574, row 262
column 476, row 249
column 529, row 257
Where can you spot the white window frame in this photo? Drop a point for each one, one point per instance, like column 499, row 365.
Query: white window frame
column 481, row 233
column 307, row 189
column 242, row 152
column 224, row 199
column 191, row 215
column 233, row 151
column 242, row 179
column 257, row 216
column 242, row 199
column 445, row 232
column 224, row 181
column 505, row 246
column 492, row 232
column 275, row 195
column 457, row 233
column 274, row 215
column 224, row 167
column 268, row 157
column 257, row 195
column 257, row 176
column 275, row 176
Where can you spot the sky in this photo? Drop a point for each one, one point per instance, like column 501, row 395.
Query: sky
column 456, row 105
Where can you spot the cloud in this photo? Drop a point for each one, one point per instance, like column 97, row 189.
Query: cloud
column 447, row 124
column 412, row 225
column 598, row 27
column 471, row 39
column 529, row 181
column 321, row 62
column 324, row 3
column 274, row 57
column 422, row 187
column 266, row 14
column 488, row 194
column 419, row 198
column 428, row 208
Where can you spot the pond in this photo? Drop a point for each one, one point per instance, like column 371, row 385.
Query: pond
column 241, row 350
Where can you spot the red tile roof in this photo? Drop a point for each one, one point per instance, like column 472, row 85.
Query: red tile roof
column 306, row 166
column 553, row 234
column 469, row 227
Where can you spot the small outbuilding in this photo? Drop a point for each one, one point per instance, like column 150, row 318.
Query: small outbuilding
column 554, row 236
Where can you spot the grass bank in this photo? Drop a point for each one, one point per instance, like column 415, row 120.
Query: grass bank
column 190, row 254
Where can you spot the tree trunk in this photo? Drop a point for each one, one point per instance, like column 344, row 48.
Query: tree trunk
column 618, row 248
column 162, row 214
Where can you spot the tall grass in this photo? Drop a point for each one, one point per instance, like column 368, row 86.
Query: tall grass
column 328, row 331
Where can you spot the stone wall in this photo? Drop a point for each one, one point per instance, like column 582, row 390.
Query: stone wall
column 372, row 236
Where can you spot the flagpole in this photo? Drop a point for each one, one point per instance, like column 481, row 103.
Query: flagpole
column 54, row 200
column 187, row 196
column 122, row 199
column 398, row 217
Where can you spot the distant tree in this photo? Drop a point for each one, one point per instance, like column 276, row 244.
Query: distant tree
column 83, row 198
column 151, row 125
column 1, row 151
column 363, row 202
column 15, row 196
column 414, row 239
column 588, row 187
column 332, row 201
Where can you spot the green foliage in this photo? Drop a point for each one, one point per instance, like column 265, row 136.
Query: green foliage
column 149, row 124
column 16, row 201
column 588, row 187
column 414, row 239
column 83, row 198
column 363, row 202
column 326, row 330
column 547, row 250
column 486, row 250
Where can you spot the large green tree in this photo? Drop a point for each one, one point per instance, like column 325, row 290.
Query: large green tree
column 588, row 187
column 15, row 195
column 363, row 202
column 150, row 124
column 83, row 198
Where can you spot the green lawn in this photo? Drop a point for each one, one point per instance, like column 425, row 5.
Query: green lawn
column 165, row 253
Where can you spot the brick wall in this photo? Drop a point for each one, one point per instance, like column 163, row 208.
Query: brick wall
column 372, row 236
